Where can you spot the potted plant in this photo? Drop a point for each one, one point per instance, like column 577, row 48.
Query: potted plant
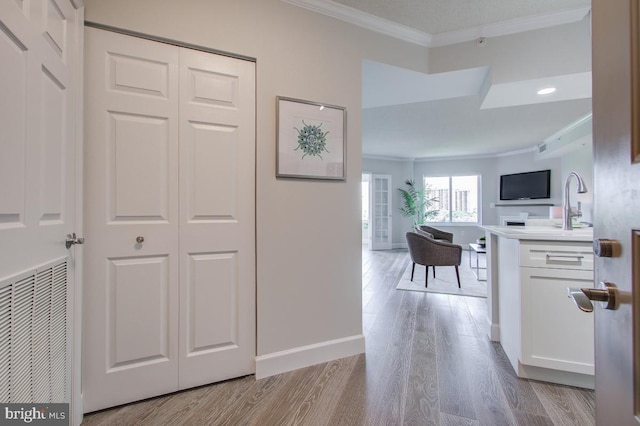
column 482, row 241
column 413, row 202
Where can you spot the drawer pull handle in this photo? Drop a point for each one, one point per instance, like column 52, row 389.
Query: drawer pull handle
column 577, row 257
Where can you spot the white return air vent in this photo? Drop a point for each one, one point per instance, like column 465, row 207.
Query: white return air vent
column 33, row 335
column 542, row 148
column 568, row 139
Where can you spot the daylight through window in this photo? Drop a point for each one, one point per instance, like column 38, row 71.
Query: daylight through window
column 452, row 198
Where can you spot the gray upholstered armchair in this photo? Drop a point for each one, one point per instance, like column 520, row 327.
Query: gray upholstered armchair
column 436, row 233
column 430, row 252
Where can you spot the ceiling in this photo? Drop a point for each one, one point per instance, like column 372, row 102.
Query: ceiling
column 407, row 114
column 440, row 16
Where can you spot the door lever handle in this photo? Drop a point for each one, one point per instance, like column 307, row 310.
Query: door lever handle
column 582, row 297
column 73, row 239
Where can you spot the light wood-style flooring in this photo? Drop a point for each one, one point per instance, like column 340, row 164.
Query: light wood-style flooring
column 428, row 362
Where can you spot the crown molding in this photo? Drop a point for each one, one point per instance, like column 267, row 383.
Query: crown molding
column 411, row 35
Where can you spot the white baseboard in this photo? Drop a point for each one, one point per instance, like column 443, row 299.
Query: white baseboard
column 305, row 356
column 399, row 246
column 494, row 332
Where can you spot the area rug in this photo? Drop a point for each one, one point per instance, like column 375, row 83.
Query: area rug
column 445, row 281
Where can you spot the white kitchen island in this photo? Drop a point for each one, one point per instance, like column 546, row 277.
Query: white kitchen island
column 544, row 335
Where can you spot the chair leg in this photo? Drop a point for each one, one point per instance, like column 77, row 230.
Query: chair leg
column 458, row 276
column 434, row 271
column 426, row 276
column 413, row 268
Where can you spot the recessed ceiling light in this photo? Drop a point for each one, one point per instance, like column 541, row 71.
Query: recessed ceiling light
column 546, row 91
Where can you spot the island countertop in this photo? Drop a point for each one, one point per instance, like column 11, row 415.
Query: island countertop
column 543, row 233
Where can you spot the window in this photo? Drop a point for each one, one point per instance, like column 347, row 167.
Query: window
column 453, row 199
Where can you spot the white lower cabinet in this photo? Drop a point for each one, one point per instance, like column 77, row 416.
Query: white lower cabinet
column 546, row 337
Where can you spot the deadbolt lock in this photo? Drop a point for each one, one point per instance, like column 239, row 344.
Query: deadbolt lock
column 604, row 247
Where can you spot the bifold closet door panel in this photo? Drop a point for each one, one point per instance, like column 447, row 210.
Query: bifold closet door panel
column 130, row 329
column 217, row 218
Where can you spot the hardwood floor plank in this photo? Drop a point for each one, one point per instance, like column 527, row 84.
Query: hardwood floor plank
column 528, row 419
column 454, row 392
column 287, row 399
column 392, row 386
column 130, row 414
column 451, row 420
column 562, row 405
column 490, row 403
column 257, row 399
column 218, row 398
column 465, row 324
column 423, row 404
column 319, row 404
column 177, row 407
column 519, row 393
column 357, row 398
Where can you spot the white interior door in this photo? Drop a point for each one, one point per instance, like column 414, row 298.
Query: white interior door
column 170, row 278
column 381, row 222
column 616, row 149
column 217, row 219
column 40, row 50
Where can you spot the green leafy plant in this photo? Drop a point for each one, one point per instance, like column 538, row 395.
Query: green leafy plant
column 413, row 202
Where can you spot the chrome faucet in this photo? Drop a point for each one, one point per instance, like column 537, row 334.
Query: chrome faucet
column 566, row 205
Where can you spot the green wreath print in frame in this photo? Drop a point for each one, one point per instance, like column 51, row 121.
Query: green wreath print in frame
column 311, row 140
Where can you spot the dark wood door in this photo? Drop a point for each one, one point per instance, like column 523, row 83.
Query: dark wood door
column 616, row 126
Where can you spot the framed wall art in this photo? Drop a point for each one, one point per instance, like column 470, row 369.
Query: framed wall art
column 310, row 140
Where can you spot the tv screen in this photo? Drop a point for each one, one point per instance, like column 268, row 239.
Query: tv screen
column 526, row 186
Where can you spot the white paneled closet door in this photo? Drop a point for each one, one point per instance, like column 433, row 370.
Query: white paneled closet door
column 217, row 217
column 41, row 51
column 169, row 192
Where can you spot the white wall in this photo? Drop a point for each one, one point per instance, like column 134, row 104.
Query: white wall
column 308, row 233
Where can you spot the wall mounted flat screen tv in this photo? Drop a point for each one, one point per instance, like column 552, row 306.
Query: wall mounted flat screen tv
column 526, row 186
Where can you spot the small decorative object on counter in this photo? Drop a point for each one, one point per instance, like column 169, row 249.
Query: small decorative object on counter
column 482, row 242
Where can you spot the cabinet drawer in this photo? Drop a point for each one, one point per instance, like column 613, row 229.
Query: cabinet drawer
column 556, row 255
